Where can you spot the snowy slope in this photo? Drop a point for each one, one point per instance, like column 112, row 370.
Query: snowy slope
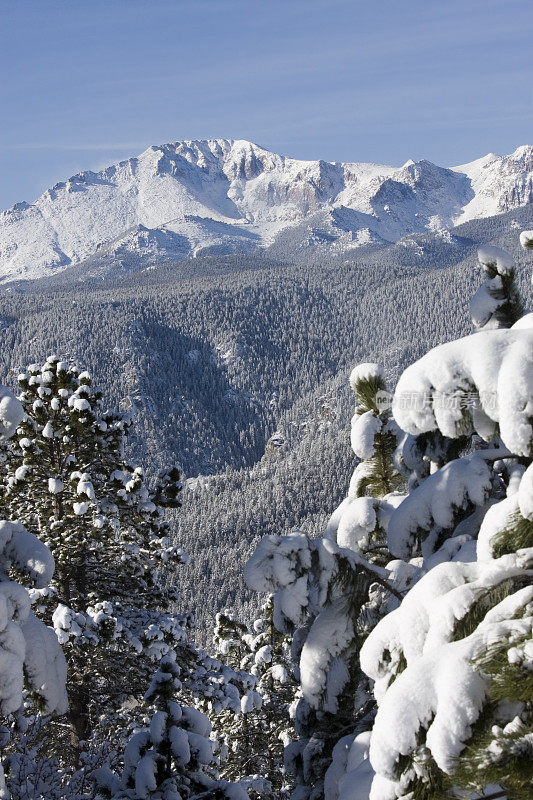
column 221, row 196
column 499, row 184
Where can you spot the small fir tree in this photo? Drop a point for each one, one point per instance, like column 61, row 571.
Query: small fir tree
column 360, row 522
column 172, row 757
column 255, row 738
column 374, row 434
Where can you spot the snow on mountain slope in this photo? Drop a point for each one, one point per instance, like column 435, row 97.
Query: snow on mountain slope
column 219, row 196
column 499, row 184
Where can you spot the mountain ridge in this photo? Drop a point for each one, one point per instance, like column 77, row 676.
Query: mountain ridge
column 219, row 196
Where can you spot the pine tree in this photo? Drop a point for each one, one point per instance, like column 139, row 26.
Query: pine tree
column 255, row 738
column 242, row 742
column 170, row 758
column 271, row 663
column 451, row 665
column 374, row 434
column 497, row 303
column 66, row 478
column 360, row 522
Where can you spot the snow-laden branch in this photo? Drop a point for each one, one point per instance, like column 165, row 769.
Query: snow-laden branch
column 482, row 382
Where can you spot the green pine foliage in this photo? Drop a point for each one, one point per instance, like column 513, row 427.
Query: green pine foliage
column 380, row 476
column 516, row 536
column 498, row 303
column 375, row 440
column 500, row 750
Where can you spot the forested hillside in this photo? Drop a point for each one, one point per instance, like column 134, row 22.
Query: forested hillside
column 236, row 369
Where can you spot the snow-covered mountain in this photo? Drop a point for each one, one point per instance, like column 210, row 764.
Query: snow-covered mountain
column 193, row 198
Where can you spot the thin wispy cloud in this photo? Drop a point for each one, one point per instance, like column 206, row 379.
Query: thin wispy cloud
column 75, row 147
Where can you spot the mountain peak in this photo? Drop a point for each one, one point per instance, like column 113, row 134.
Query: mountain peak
column 525, row 151
column 191, row 197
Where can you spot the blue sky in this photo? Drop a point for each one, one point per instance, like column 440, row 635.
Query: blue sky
column 85, row 83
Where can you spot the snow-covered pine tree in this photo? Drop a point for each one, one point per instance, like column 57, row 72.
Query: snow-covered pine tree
column 328, row 594
column 67, row 478
column 374, row 435
column 255, row 738
column 173, row 757
column 497, row 303
column 235, row 729
column 360, row 522
column 229, row 640
column 30, row 656
column 452, row 664
column 272, row 665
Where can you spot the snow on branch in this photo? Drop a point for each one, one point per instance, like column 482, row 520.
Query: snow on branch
column 420, row 697
column 433, row 508
column 28, row 554
column 493, row 258
column 11, row 413
column 483, row 382
column 429, row 612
